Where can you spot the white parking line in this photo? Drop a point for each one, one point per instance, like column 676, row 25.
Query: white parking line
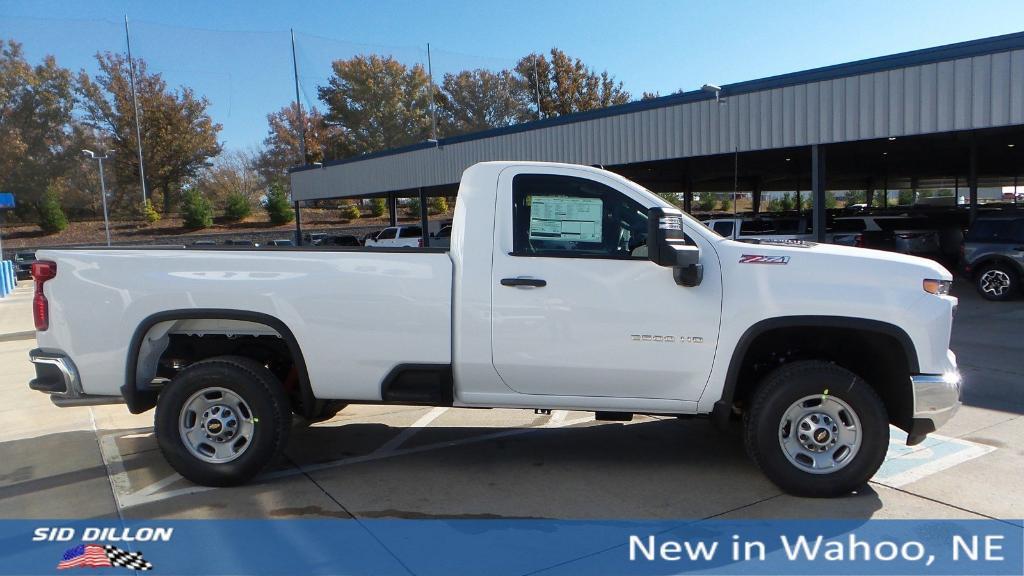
column 412, row 430
column 154, row 492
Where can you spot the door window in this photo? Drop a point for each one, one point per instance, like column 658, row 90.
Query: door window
column 566, row 216
column 387, row 234
column 724, row 228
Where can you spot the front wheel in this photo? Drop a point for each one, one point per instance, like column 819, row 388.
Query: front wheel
column 816, row 429
column 996, row 282
column 222, row 420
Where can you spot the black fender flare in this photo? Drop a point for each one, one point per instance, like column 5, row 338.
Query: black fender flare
column 996, row 259
column 140, row 400
column 723, row 407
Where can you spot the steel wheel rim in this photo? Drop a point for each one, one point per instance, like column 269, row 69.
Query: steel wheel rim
column 216, row 425
column 820, row 434
column 995, row 282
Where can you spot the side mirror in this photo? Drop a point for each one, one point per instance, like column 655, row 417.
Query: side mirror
column 666, row 246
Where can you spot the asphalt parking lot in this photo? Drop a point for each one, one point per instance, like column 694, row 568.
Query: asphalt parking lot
column 415, row 462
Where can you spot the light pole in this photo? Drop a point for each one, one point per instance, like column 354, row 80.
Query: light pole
column 103, row 187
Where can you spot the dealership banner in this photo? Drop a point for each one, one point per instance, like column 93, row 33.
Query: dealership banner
column 513, row 547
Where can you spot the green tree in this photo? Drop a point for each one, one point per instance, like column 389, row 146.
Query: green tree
column 377, row 103
column 278, row 207
column 178, row 135
column 39, row 138
column 706, row 202
column 377, row 207
column 565, row 85
column 671, row 197
column 787, row 202
column 149, row 214
column 413, row 207
column 439, row 205
column 237, row 207
column 475, row 100
column 51, row 215
column 350, row 211
column 196, row 210
column 726, row 205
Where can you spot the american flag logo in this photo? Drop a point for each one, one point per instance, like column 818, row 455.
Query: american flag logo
column 97, row 556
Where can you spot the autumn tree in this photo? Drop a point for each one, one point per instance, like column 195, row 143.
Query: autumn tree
column 281, row 146
column 232, row 173
column 37, row 130
column 376, row 103
column 178, row 135
column 565, row 85
column 475, row 100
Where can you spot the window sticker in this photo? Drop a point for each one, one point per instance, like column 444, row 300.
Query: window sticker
column 565, row 218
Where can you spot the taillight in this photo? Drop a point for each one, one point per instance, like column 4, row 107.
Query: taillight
column 419, row 242
column 42, row 271
column 858, row 240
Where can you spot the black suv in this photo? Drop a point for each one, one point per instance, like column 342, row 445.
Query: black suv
column 23, row 264
column 993, row 255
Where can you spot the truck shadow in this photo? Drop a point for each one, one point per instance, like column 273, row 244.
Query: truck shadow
column 660, row 469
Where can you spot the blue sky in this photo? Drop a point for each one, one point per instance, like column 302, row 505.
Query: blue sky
column 238, row 53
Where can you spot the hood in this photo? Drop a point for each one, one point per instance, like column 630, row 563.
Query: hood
column 830, row 258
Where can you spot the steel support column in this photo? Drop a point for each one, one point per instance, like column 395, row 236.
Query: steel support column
column 298, row 225
column 972, row 180
column 392, row 209
column 688, row 197
column 755, row 195
column 423, row 217
column 818, row 187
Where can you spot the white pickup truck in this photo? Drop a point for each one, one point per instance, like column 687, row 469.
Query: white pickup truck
column 565, row 287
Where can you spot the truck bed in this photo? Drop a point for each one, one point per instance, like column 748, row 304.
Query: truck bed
column 372, row 307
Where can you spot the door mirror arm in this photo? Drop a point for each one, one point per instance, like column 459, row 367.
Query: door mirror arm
column 666, row 246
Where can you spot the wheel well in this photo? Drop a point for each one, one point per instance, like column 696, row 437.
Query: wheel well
column 166, row 343
column 1000, row 260
column 880, row 358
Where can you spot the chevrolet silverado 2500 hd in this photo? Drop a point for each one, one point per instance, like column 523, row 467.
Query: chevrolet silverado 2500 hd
column 565, row 287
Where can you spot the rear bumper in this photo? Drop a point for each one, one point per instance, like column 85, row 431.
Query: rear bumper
column 57, row 376
column 936, row 399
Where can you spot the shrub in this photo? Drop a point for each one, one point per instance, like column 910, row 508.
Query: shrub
column 350, row 212
column 196, row 210
column 706, row 202
column 51, row 215
column 278, row 208
column 237, row 207
column 726, row 205
column 378, row 206
column 413, row 207
column 439, row 205
column 149, row 214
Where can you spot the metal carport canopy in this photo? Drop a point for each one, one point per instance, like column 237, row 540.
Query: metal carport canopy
column 965, row 86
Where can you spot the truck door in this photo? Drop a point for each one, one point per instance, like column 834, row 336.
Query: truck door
column 578, row 309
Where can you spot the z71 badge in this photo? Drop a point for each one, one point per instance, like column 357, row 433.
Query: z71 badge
column 763, row 259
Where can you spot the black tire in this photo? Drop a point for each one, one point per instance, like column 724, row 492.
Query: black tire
column 270, row 419
column 782, row 389
column 997, row 282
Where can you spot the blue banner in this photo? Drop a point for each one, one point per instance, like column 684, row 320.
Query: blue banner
column 513, row 547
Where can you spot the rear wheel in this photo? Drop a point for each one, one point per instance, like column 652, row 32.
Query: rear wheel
column 816, row 429
column 222, row 420
column 996, row 282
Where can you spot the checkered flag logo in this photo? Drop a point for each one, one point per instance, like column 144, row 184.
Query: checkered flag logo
column 96, row 556
column 125, row 559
